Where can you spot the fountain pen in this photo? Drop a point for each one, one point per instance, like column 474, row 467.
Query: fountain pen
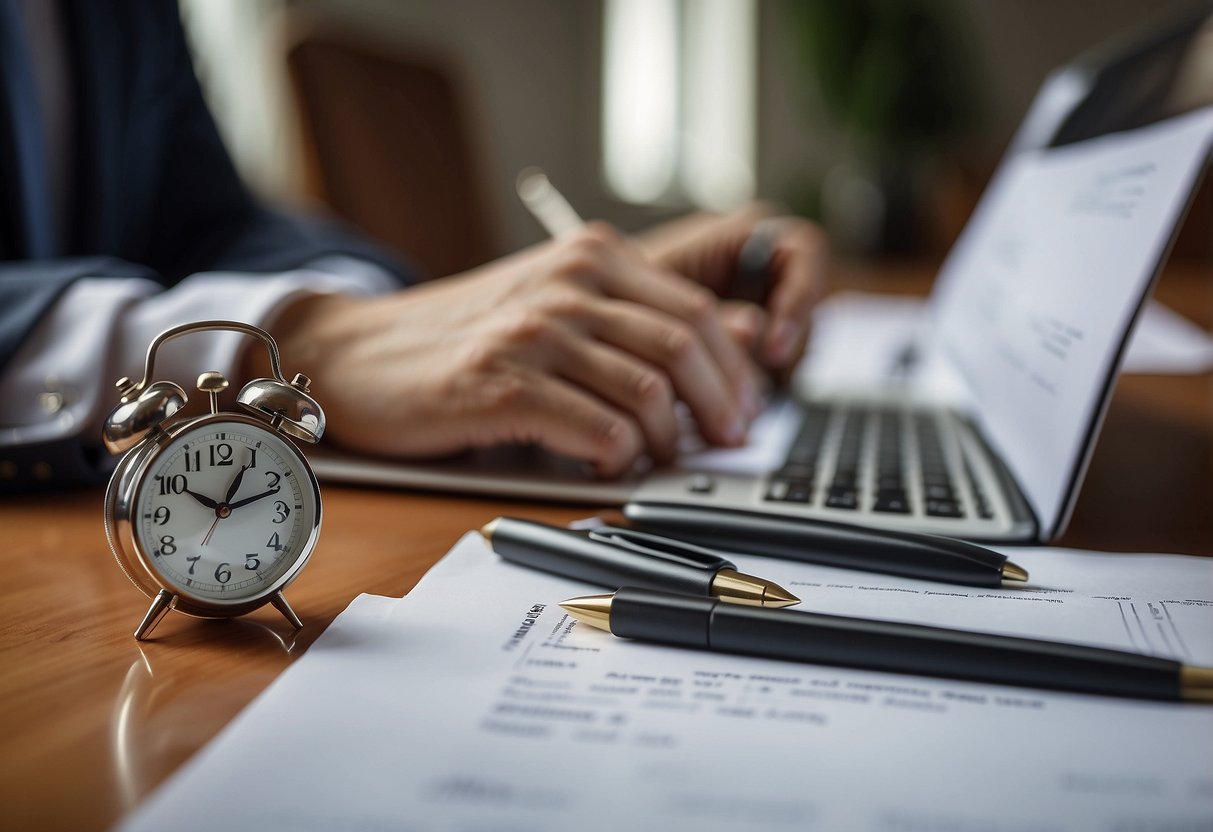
column 616, row 557
column 704, row 623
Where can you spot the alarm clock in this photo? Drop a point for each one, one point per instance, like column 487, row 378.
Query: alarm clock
column 214, row 515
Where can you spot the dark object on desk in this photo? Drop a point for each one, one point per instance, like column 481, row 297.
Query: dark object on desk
column 706, row 624
column 752, row 279
column 910, row 555
column 619, row 557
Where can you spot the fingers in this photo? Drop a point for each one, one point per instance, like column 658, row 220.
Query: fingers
column 635, row 387
column 634, row 359
column 752, row 254
column 746, row 322
column 534, row 407
column 621, row 272
column 674, row 348
column 797, row 267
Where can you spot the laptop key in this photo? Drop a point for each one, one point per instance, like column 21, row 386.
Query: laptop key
column 790, row 491
column 980, row 501
column 806, row 446
column 944, row 508
column 799, row 492
column 939, row 492
column 892, row 502
column 890, row 482
column 839, row 497
column 797, row 472
column 802, row 456
column 845, row 479
column 777, row 491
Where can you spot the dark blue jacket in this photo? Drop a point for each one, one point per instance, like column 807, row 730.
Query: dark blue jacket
column 155, row 193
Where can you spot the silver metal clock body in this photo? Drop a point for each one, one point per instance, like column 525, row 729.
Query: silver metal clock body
column 213, row 516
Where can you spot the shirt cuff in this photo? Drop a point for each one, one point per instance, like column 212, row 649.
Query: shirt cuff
column 60, row 382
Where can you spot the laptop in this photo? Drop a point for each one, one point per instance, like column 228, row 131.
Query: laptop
column 984, row 425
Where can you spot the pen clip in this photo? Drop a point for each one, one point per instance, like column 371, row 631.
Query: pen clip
column 676, row 551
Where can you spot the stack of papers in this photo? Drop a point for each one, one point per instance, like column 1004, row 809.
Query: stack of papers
column 477, row 703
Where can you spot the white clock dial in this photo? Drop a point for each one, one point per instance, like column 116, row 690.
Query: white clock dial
column 225, row 511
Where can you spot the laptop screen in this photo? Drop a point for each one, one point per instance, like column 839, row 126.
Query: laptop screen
column 1037, row 299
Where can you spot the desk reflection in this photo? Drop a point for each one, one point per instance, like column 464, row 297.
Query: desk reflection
column 154, row 720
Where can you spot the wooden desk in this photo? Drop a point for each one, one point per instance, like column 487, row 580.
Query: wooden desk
column 91, row 721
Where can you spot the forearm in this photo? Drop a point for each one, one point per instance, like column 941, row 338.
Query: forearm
column 57, row 389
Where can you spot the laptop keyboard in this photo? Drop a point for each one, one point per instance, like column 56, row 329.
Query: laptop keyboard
column 938, row 490
column 880, row 451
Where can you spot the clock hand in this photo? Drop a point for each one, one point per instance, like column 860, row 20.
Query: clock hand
column 231, row 489
column 211, row 530
column 202, row 498
column 223, row 509
column 254, row 498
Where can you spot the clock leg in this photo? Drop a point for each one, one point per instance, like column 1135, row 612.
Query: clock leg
column 280, row 604
column 161, row 604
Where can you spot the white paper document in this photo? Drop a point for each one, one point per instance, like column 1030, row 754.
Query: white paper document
column 861, row 339
column 476, row 703
column 1036, row 297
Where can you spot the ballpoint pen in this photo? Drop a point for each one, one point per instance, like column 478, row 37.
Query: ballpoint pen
column 752, row 277
column 929, row 557
column 617, row 557
column 704, row 623
column 546, row 204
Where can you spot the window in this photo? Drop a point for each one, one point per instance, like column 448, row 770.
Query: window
column 679, row 101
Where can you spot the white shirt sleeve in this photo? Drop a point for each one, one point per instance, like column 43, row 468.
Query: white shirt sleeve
column 60, row 382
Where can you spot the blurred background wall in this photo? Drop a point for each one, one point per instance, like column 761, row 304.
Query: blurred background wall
column 526, row 79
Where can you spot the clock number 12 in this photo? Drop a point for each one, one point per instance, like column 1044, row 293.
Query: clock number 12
column 218, row 456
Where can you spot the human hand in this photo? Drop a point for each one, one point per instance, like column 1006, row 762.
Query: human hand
column 580, row 345
column 707, row 248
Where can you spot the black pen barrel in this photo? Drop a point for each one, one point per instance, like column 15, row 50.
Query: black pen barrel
column 928, row 557
column 705, row 623
column 573, row 554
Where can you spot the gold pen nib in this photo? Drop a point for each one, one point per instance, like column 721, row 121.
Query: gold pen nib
column 594, row 610
column 738, row 588
column 486, row 531
column 1011, row 572
column 776, row 597
column 1196, row 683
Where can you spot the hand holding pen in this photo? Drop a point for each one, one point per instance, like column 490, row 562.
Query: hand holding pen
column 769, row 270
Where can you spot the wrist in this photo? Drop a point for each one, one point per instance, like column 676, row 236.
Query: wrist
column 296, row 328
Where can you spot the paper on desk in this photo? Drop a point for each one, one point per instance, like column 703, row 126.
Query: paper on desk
column 476, row 703
column 858, row 337
column 1165, row 342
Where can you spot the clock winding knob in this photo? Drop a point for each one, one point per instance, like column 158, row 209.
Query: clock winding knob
column 212, row 383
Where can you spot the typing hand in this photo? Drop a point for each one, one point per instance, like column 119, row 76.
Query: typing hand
column 580, row 345
column 707, row 248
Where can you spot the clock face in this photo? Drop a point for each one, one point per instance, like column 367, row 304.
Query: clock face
column 225, row 510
